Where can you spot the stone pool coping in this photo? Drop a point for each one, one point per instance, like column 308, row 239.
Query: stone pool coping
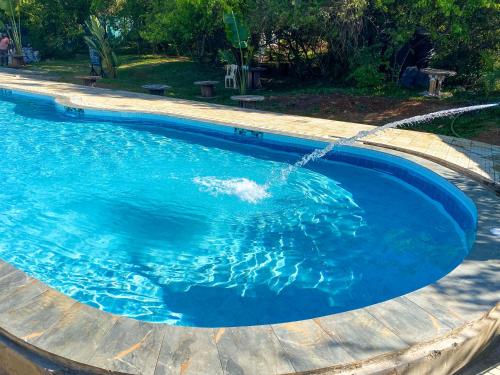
column 452, row 318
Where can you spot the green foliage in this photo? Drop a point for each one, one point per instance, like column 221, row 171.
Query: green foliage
column 225, row 57
column 237, row 32
column 238, row 35
column 315, row 38
column 489, row 77
column 98, row 40
column 192, row 27
column 11, row 9
column 463, row 31
column 125, row 18
column 367, row 68
column 55, row 27
column 367, row 76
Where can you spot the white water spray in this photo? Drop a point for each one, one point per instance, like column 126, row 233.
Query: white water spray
column 319, row 153
column 243, row 188
column 250, row 191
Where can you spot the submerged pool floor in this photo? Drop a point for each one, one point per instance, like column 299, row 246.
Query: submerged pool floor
column 114, row 215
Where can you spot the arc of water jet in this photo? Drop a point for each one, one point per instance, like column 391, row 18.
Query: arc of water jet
column 319, row 153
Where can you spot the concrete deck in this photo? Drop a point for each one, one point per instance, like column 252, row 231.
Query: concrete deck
column 436, row 329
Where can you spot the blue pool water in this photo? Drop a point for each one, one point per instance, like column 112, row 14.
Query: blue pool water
column 131, row 217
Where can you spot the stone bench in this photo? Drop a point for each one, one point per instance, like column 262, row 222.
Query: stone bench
column 207, row 88
column 247, row 101
column 156, row 89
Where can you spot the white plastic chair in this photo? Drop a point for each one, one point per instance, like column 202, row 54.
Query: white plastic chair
column 230, row 78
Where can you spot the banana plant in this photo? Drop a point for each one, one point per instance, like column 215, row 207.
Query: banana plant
column 11, row 9
column 238, row 34
column 98, row 40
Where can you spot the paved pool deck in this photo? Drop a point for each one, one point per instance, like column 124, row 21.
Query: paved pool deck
column 435, row 330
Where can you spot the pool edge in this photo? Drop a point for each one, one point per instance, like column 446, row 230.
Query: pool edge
column 309, row 329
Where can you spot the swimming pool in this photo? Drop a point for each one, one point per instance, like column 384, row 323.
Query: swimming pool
column 138, row 217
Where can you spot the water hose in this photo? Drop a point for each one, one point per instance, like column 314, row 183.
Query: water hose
column 453, row 123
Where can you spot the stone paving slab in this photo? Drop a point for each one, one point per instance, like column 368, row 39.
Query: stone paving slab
column 57, row 325
column 310, row 346
column 18, row 289
column 6, row 269
column 130, row 346
column 77, row 335
column 408, row 320
column 37, row 316
column 189, row 351
column 441, row 308
column 361, row 334
column 251, row 350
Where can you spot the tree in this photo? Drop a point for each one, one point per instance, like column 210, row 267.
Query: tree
column 316, row 37
column 55, row 27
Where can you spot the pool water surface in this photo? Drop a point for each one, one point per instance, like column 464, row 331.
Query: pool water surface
column 132, row 218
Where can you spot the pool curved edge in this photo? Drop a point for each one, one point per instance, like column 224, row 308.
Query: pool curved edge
column 41, row 328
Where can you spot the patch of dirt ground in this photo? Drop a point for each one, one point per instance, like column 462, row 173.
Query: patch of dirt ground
column 371, row 110
column 364, row 109
column 491, row 136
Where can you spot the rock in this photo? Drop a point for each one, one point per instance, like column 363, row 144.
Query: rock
column 413, row 78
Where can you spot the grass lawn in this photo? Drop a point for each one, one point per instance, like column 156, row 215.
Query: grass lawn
column 293, row 96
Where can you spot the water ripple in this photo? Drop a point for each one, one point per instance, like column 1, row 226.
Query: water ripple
column 142, row 221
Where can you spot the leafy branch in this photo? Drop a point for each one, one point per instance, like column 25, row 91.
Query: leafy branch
column 98, row 40
column 238, row 35
column 11, row 9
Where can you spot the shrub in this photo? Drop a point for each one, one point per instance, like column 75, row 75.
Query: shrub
column 489, row 76
column 367, row 68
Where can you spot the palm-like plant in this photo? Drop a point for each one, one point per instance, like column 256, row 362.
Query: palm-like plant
column 11, row 9
column 238, row 35
column 98, row 40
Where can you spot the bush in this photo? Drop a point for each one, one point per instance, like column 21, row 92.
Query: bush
column 367, row 69
column 192, row 27
column 489, row 76
column 368, row 76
